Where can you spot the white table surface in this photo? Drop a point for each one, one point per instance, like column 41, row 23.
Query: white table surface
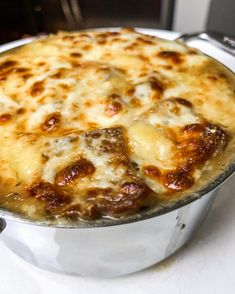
column 205, row 265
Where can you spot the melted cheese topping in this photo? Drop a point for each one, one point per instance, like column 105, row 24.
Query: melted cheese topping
column 107, row 123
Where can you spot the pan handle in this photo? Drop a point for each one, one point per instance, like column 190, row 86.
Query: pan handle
column 221, row 41
column 2, row 225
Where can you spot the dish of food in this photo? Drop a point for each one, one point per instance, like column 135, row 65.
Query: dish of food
column 108, row 124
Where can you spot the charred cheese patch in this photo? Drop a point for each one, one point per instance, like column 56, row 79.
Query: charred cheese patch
column 105, row 124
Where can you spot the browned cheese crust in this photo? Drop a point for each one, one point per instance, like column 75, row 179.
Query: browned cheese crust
column 108, row 124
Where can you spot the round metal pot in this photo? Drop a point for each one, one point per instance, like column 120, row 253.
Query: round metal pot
column 110, row 248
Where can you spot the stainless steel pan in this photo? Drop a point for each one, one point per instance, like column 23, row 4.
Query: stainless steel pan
column 109, row 248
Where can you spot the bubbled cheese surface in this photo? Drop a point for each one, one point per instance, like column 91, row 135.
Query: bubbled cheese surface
column 97, row 124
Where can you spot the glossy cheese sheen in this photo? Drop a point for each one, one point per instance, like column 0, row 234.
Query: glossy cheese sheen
column 97, row 124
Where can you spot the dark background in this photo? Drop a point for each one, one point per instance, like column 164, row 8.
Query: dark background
column 29, row 17
column 19, row 18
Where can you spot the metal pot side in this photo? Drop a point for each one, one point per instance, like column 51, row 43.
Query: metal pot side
column 107, row 251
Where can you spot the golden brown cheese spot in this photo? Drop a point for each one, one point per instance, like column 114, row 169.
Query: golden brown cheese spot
column 152, row 171
column 184, row 102
column 68, row 38
column 6, row 117
column 192, row 52
column 156, row 85
column 86, row 47
column 52, row 122
column 200, row 141
column 177, row 180
column 168, row 67
column 27, row 76
column 58, row 74
column 66, row 87
column 88, row 103
column 14, row 96
column 171, row 134
column 76, row 54
column 83, row 35
column 173, row 56
column 79, row 169
column 130, row 91
column 92, row 125
column 37, row 88
column 21, row 111
column 145, row 41
column 18, row 71
column 107, row 56
column 45, row 158
column 4, row 75
column 135, row 102
column 101, row 41
column 119, row 40
column 112, row 34
column 193, row 128
column 174, row 180
column 21, row 70
column 222, row 75
column 114, row 96
column 75, row 64
column 104, row 71
column 144, row 58
column 113, row 108
column 213, row 78
column 7, row 65
column 81, row 116
column 132, row 46
column 41, row 63
column 52, row 196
